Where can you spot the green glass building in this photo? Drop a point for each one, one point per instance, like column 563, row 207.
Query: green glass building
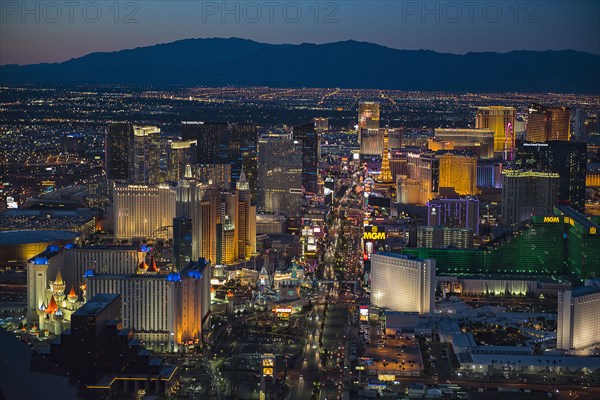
column 566, row 243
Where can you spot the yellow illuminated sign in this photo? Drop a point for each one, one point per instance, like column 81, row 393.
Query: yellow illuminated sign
column 551, row 219
column 268, row 362
column 268, row 371
column 388, row 378
column 593, row 230
column 374, row 234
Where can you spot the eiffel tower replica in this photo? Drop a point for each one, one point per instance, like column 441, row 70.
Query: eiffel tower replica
column 385, row 177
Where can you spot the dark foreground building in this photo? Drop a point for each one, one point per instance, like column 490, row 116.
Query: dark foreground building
column 99, row 353
column 26, row 374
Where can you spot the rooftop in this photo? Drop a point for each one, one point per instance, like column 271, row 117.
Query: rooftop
column 110, row 247
column 34, row 236
column 584, row 291
column 593, row 363
column 96, row 304
column 401, row 256
column 581, row 219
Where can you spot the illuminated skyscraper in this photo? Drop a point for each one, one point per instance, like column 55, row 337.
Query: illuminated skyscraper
column 545, row 124
column 227, row 219
column 402, row 283
column 454, row 212
column 449, row 169
column 213, row 174
column 72, row 143
column 398, row 163
column 189, row 206
column 527, row 193
column 118, row 142
column 439, row 237
column 424, row 167
column 210, row 225
column 502, row 121
column 182, row 241
column 408, row 191
column 321, row 124
column 538, row 123
column 578, row 322
column 568, row 159
column 579, row 122
column 223, row 221
column 311, row 154
column 489, row 174
column 180, row 153
column 143, row 211
column 371, row 140
column 368, row 115
column 166, row 311
column 145, row 156
column 480, row 141
column 71, row 263
column 560, row 124
column 246, row 220
column 218, row 224
column 280, row 175
column 458, row 170
column 226, row 143
column 211, row 140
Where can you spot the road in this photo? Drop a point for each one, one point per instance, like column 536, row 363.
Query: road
column 335, row 340
column 309, row 361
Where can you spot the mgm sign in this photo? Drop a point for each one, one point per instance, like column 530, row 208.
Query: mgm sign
column 373, row 232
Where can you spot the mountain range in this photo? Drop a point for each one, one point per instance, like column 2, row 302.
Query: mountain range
column 347, row 64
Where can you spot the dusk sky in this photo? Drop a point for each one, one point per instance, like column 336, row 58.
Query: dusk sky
column 46, row 31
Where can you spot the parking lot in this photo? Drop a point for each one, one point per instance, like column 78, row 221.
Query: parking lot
column 398, row 356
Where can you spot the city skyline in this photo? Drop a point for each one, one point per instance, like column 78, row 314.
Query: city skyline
column 232, row 219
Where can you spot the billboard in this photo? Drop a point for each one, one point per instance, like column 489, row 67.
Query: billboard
column 364, row 313
column 11, row 203
column 374, row 232
column 549, row 219
column 268, row 365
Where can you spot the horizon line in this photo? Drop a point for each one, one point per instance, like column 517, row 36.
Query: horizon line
column 291, row 44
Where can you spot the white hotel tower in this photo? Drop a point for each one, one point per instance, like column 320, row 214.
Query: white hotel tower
column 166, row 311
column 578, row 323
column 402, row 283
